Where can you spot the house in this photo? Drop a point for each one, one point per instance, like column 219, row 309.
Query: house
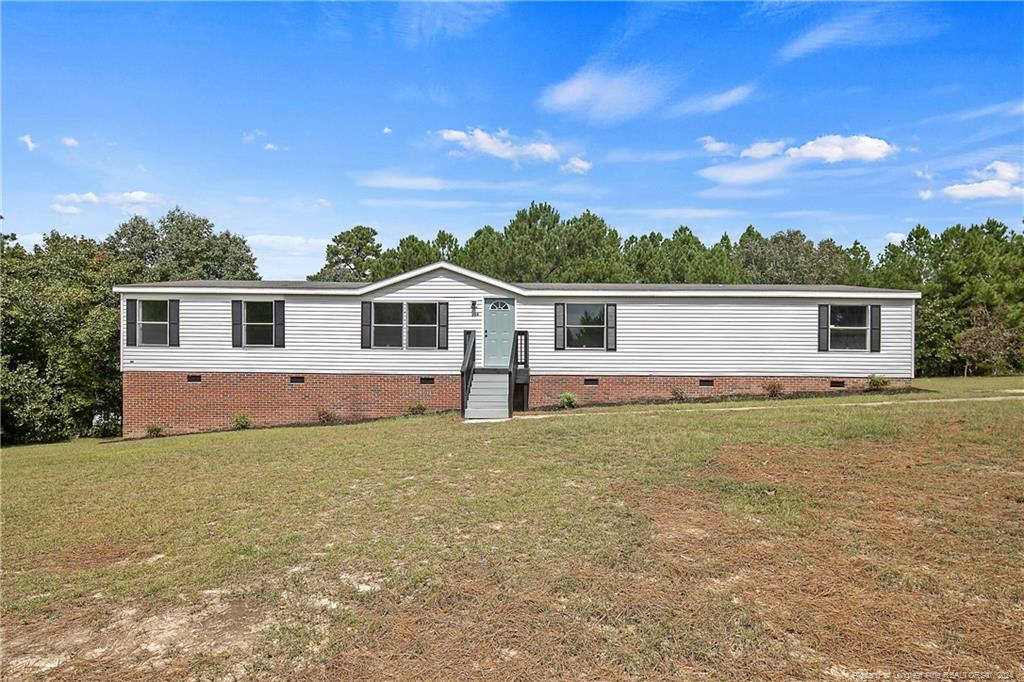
column 195, row 354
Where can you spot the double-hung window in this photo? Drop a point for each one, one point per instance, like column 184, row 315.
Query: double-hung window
column 387, row 325
column 153, row 327
column 848, row 327
column 259, row 323
column 584, row 325
column 422, row 325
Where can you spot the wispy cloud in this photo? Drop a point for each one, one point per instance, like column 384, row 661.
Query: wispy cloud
column 763, row 149
column 385, row 130
column 629, row 155
column 576, row 165
column 323, row 203
column 69, row 141
column 672, row 212
column 716, row 147
column 873, row 26
column 271, row 147
column 998, row 180
column 430, row 183
column 287, row 244
column 500, row 145
column 422, row 23
column 894, row 237
column 27, row 141
column 250, row 136
column 436, row 203
column 836, row 148
column 710, row 103
column 136, row 201
column 726, row 192
column 745, row 172
column 606, row 96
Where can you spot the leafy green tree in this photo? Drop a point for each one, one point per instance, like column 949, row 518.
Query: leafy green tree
column 484, row 252
column 527, row 244
column 190, row 249
column 647, row 258
column 686, row 254
column 586, row 249
column 350, row 256
column 135, row 239
column 720, row 265
column 411, row 253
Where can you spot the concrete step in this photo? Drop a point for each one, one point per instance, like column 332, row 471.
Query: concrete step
column 486, row 413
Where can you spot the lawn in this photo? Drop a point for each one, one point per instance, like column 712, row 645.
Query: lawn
column 809, row 539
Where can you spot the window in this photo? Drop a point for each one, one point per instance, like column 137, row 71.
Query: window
column 584, row 325
column 387, row 325
column 848, row 327
column 153, row 323
column 499, row 305
column 259, row 323
column 422, row 325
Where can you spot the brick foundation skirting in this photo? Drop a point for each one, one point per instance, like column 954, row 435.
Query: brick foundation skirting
column 546, row 389
column 169, row 400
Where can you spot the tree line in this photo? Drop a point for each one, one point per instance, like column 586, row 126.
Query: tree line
column 59, row 371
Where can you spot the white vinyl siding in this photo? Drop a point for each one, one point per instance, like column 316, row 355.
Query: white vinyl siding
column 657, row 336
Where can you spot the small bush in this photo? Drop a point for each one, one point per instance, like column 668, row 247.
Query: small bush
column 154, row 431
column 416, row 408
column 876, row 382
column 241, row 422
column 326, row 417
column 773, row 389
column 679, row 393
column 567, row 401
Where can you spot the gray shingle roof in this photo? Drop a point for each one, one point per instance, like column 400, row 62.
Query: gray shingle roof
column 606, row 286
column 247, row 284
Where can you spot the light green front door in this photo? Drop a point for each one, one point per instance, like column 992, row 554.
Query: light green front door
column 499, row 328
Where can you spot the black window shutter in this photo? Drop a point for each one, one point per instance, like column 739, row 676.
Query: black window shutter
column 172, row 322
column 823, row 327
column 131, row 327
column 559, row 326
column 279, row 324
column 367, row 321
column 442, row 326
column 876, row 328
column 611, row 326
column 236, row 324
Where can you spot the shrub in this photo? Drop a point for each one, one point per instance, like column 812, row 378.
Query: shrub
column 241, row 422
column 773, row 389
column 568, row 401
column 416, row 408
column 154, row 431
column 326, row 417
column 679, row 393
column 877, row 382
column 35, row 407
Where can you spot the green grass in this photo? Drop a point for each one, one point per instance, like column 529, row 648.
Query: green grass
column 592, row 543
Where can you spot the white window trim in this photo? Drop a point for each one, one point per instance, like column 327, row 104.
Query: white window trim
column 245, row 323
column 603, row 327
column 374, row 324
column 409, row 325
column 139, row 322
column 866, row 329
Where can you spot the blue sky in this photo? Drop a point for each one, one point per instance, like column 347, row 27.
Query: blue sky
column 290, row 122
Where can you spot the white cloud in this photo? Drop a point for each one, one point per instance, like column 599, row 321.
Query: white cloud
column 251, row 136
column 723, row 192
column 673, row 213
column 714, row 146
column 323, row 203
column 745, row 173
column 995, row 181
column 29, row 144
column 287, row 244
column 923, row 174
column 271, row 147
column 69, row 141
column 894, row 237
column 419, row 23
column 836, row 148
column 436, row 203
column 65, row 209
column 74, row 198
column 925, row 194
column 133, row 202
column 606, row 96
column 713, row 102
column 141, row 168
column 385, row 130
column 390, row 180
column 500, row 145
column 872, row 26
column 31, row 239
column 763, row 149
column 576, row 165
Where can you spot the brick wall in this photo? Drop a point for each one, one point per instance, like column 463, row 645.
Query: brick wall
column 168, row 399
column 545, row 389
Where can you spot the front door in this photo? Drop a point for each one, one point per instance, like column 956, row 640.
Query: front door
column 499, row 327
